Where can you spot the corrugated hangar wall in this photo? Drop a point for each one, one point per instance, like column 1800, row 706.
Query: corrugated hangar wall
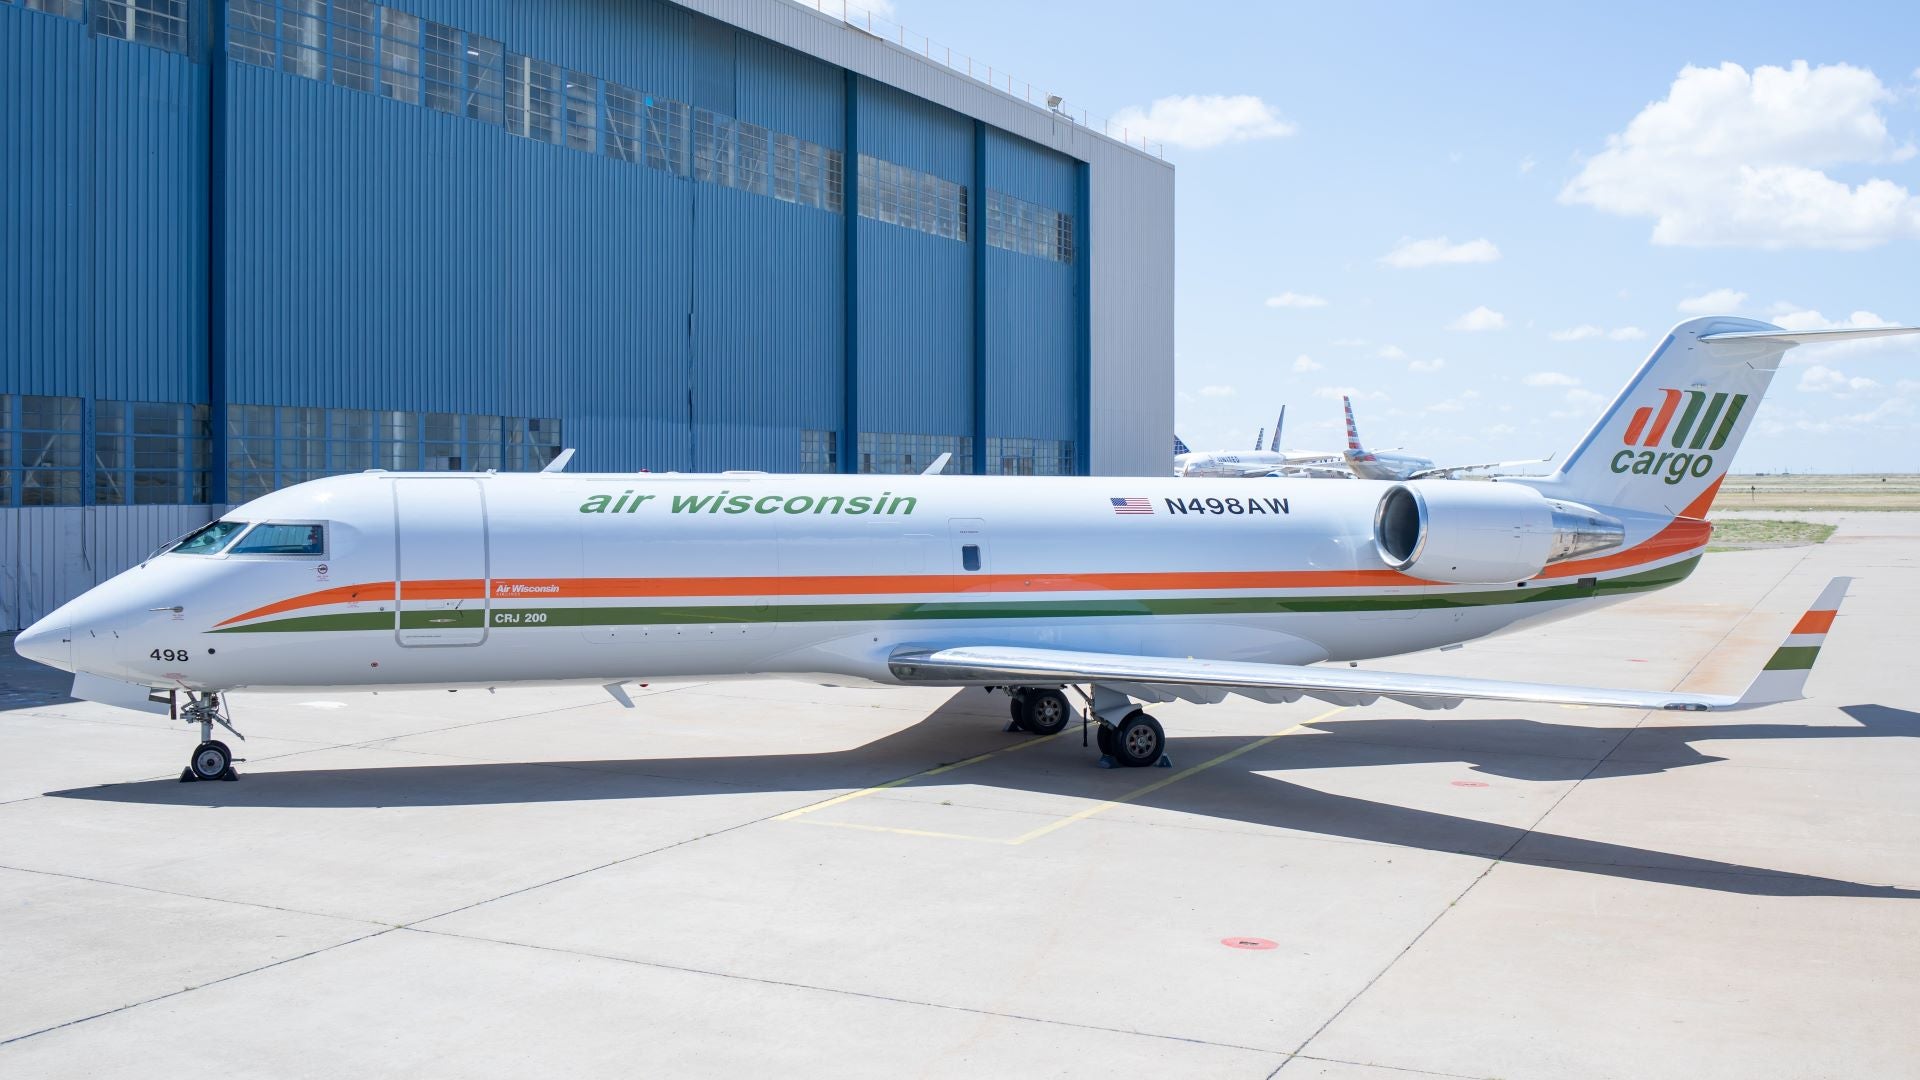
column 254, row 241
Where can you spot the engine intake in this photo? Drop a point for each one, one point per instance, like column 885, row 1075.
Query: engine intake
column 1471, row 533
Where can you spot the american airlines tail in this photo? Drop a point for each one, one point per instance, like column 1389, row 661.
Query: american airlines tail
column 1665, row 443
column 1355, row 451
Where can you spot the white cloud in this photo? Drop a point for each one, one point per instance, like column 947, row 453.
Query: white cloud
column 1733, row 158
column 1590, row 332
column 1480, row 318
column 1580, row 395
column 1527, row 163
column 1349, row 342
column 1440, row 251
column 1304, row 363
column 1427, row 367
column 1583, row 332
column 1550, row 378
column 1201, row 121
column 1820, row 379
column 1217, row 390
column 1392, row 352
column 1717, row 302
column 1296, row 300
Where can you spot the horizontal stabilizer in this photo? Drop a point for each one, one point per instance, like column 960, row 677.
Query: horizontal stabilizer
column 1810, row 337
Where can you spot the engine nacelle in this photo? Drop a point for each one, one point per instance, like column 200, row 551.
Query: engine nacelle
column 1472, row 533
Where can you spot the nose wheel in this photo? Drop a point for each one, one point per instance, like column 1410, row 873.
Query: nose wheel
column 211, row 760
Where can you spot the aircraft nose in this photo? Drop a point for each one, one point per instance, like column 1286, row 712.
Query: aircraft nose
column 47, row 642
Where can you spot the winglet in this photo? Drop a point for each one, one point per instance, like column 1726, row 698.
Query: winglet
column 559, row 461
column 1810, row 337
column 1785, row 676
column 939, row 465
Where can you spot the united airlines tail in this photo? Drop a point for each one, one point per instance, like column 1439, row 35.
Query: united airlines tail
column 1664, row 444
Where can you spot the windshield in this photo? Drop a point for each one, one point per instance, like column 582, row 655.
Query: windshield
column 208, row 539
column 272, row 538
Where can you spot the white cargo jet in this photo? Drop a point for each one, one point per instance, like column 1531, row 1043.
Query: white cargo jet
column 1393, row 465
column 1255, row 462
column 1136, row 588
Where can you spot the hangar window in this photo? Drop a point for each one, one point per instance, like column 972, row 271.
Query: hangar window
column 149, row 453
column 533, row 99
column 303, row 38
column 752, row 158
column 483, row 78
column 532, row 442
column 583, row 111
column 159, row 23
column 712, row 147
column 623, row 123
column 355, row 30
column 250, row 32
column 666, row 136
column 912, row 199
column 42, row 439
column 1029, row 457
column 890, row 452
column 68, row 9
column 819, row 452
column 400, row 56
column 1028, row 228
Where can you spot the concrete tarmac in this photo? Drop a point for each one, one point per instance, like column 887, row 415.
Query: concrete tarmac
column 778, row 878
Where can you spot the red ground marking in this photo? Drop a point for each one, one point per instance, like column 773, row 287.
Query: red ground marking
column 1256, row 943
column 1469, row 783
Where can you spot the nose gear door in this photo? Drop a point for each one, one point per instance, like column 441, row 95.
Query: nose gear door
column 440, row 527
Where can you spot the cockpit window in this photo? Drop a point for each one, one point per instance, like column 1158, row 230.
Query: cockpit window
column 271, row 538
column 208, row 539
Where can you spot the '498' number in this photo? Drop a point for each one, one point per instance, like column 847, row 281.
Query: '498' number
column 175, row 656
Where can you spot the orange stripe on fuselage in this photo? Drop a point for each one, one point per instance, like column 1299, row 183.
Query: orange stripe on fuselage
column 1815, row 622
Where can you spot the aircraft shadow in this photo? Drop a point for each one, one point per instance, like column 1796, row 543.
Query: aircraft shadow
column 1234, row 791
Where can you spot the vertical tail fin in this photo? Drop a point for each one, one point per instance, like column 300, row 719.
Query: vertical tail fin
column 1355, row 451
column 1667, row 440
column 1180, row 447
column 1260, row 440
column 1278, row 425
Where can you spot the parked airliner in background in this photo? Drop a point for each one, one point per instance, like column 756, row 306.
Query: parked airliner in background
column 1135, row 588
column 1393, row 465
column 1256, row 462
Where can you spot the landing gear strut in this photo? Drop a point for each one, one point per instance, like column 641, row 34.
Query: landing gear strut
column 211, row 760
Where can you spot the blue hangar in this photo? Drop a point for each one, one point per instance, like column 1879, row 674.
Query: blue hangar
column 252, row 242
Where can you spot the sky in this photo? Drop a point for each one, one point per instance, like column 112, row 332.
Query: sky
column 1480, row 219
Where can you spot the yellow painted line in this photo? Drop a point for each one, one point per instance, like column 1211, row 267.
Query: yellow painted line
column 898, row 831
column 1101, row 808
column 891, row 784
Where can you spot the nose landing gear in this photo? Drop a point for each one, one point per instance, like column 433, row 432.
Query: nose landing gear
column 211, row 760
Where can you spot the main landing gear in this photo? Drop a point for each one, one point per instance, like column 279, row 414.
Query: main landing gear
column 211, row 760
column 1126, row 735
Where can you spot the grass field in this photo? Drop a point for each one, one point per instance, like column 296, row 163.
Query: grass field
column 1745, row 534
column 1815, row 492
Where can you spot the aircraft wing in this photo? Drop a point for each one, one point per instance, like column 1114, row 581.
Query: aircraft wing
column 1160, row 677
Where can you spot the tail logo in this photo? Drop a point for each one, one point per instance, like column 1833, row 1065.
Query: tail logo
column 1706, row 422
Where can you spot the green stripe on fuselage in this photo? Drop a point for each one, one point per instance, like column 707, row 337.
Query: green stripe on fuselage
column 1082, row 608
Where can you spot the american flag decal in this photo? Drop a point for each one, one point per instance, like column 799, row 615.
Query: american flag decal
column 1131, row 506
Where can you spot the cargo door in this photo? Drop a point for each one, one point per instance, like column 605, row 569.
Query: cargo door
column 440, row 526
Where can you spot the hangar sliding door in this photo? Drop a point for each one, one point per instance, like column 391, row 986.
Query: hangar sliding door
column 441, row 528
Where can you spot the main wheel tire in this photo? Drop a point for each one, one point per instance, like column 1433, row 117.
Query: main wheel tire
column 211, row 760
column 1045, row 712
column 1019, row 713
column 1138, row 741
column 1103, row 738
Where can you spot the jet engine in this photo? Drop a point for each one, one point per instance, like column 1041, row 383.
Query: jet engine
column 1471, row 533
